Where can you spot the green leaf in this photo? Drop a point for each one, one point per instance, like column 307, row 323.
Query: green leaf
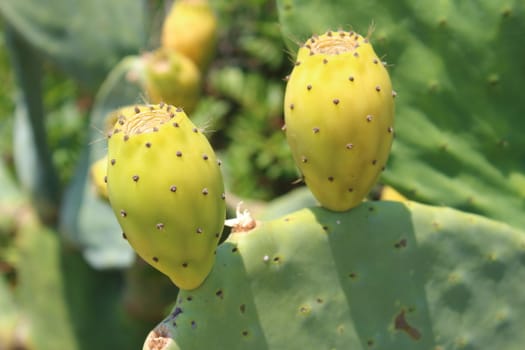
column 66, row 303
column 31, row 152
column 85, row 38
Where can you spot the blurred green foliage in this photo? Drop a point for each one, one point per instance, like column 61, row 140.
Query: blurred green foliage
column 247, row 75
column 6, row 99
column 241, row 111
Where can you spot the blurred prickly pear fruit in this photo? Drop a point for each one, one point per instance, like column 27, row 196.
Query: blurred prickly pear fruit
column 172, row 78
column 339, row 114
column 388, row 193
column 97, row 172
column 191, row 29
column 166, row 189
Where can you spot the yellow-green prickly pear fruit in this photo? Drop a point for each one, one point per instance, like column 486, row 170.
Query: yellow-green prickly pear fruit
column 97, row 171
column 166, row 189
column 172, row 78
column 191, row 29
column 339, row 115
column 388, row 193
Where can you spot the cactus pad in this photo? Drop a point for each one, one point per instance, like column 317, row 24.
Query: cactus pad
column 385, row 275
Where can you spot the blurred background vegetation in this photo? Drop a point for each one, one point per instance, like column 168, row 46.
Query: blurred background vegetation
column 243, row 91
column 65, row 264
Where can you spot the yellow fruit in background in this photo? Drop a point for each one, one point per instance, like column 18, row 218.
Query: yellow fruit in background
column 390, row 194
column 98, row 172
column 191, row 29
column 172, row 78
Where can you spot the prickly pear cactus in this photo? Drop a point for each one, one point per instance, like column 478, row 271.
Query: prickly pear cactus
column 384, row 275
column 191, row 29
column 166, row 189
column 339, row 114
column 459, row 142
column 172, row 78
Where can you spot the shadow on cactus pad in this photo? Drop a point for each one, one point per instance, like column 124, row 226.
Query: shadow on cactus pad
column 384, row 275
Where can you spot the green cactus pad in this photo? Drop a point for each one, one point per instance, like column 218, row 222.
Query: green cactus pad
column 385, row 275
column 339, row 113
column 166, row 189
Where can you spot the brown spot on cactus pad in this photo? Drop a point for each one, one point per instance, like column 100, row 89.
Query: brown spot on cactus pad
column 220, row 294
column 401, row 244
column 400, row 323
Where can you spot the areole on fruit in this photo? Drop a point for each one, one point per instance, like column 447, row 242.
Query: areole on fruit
column 339, row 114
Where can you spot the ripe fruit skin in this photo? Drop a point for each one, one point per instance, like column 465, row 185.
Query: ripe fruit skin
column 339, row 115
column 191, row 29
column 172, row 78
column 166, row 189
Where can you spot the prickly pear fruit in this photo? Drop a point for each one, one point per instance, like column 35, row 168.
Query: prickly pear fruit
column 97, row 172
column 166, row 189
column 388, row 193
column 191, row 29
column 339, row 114
column 172, row 78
